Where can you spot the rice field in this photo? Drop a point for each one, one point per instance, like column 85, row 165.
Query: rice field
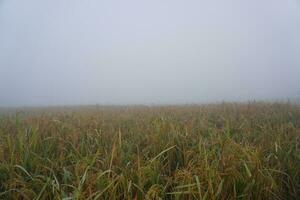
column 214, row 151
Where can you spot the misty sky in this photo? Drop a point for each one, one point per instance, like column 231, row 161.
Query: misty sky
column 56, row 52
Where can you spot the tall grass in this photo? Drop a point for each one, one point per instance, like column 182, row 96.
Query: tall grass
column 224, row 151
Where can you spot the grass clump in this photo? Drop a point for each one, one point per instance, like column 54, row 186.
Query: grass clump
column 221, row 151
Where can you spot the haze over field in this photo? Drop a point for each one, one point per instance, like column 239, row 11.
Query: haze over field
column 56, row 52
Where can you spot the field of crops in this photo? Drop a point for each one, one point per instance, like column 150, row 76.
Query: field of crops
column 215, row 151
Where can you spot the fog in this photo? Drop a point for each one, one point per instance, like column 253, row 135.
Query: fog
column 68, row 52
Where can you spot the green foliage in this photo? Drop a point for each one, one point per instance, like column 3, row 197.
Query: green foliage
column 225, row 151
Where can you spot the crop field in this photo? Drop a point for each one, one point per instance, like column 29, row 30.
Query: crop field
column 214, row 151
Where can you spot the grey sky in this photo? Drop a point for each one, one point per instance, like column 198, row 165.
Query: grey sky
column 139, row 51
